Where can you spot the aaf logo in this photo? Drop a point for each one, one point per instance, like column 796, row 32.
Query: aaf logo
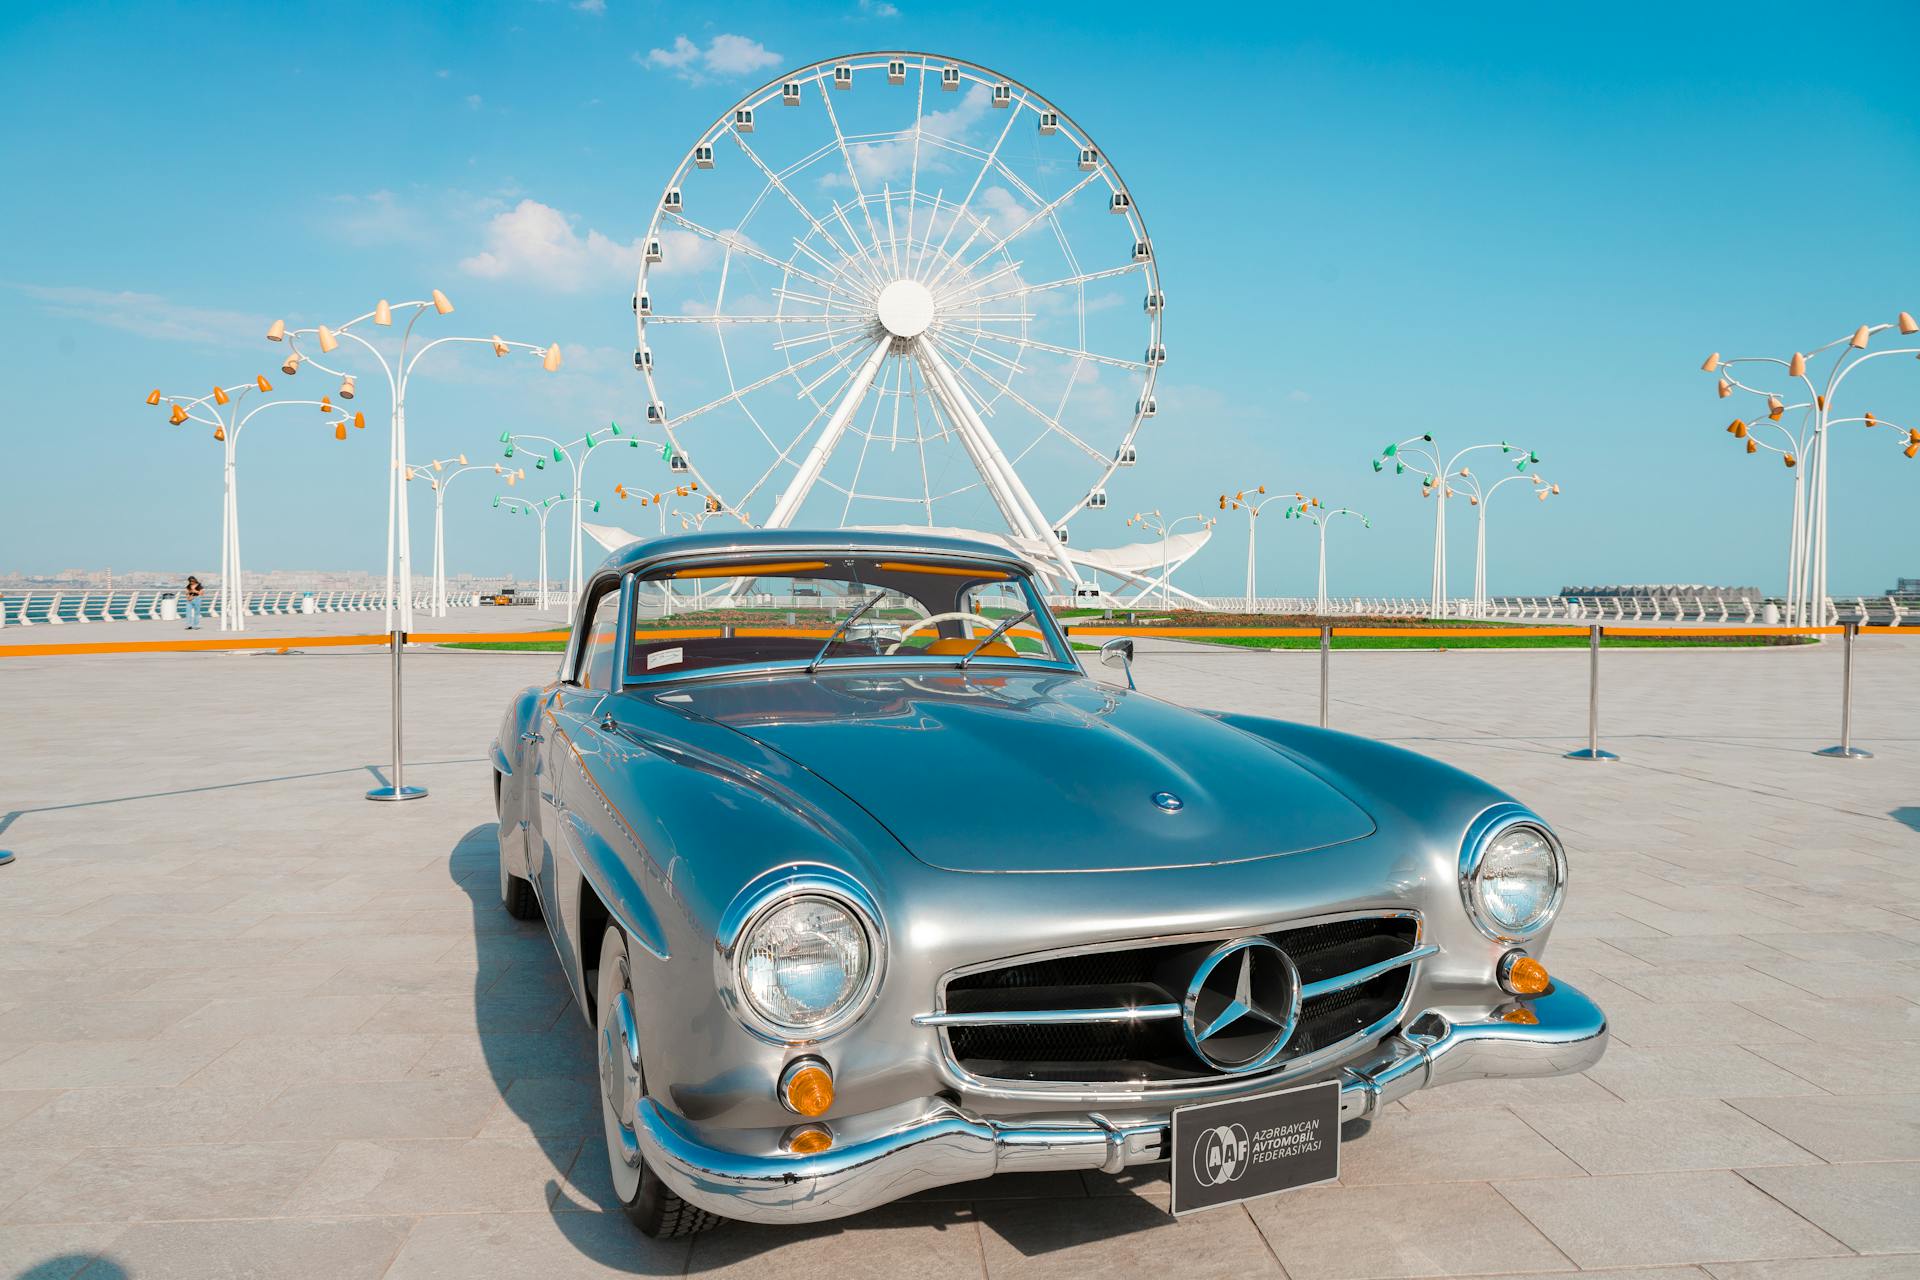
column 1220, row 1156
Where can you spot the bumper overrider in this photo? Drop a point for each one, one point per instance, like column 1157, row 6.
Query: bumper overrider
column 1566, row 1033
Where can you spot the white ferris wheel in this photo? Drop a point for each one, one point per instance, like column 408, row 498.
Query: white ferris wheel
column 895, row 288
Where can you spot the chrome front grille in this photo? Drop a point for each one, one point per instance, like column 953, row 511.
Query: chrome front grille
column 1109, row 1017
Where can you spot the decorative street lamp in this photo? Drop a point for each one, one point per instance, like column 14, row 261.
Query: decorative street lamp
column 574, row 454
column 1807, row 600
column 658, row 503
column 1435, row 481
column 1314, row 512
column 399, row 374
column 437, row 604
column 1253, row 504
column 221, row 408
column 1154, row 522
column 1479, row 494
column 542, row 508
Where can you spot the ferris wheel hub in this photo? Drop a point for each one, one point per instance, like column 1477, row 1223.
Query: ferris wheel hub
column 906, row 308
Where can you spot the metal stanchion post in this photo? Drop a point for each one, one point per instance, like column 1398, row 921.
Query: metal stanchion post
column 1326, row 647
column 398, row 790
column 1846, row 750
column 1592, row 750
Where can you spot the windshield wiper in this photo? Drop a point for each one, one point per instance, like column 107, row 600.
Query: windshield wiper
column 842, row 629
column 993, row 635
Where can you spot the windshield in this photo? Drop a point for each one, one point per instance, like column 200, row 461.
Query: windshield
column 834, row 609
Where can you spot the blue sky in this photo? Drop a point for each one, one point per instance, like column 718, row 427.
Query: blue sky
column 1508, row 222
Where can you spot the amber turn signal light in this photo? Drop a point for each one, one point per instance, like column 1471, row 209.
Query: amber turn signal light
column 806, row 1087
column 1521, row 974
column 807, row 1140
column 1522, row 1016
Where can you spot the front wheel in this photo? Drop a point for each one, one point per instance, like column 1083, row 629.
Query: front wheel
column 653, row 1206
column 516, row 893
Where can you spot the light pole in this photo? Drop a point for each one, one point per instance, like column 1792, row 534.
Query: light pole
column 658, row 503
column 221, row 408
column 1154, row 522
column 1478, row 496
column 1320, row 516
column 542, row 509
column 1436, row 482
column 1253, row 506
column 574, row 454
column 438, row 604
column 1807, row 547
column 399, row 374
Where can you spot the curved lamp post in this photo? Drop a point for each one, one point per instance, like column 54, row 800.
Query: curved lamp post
column 1320, row 516
column 658, row 502
column 1154, row 522
column 221, row 408
column 1807, row 546
column 437, row 605
column 542, row 509
column 399, row 372
column 1435, row 480
column 1253, row 504
column 574, row 454
column 1479, row 494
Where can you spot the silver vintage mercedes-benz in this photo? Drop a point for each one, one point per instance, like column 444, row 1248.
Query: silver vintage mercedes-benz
column 867, row 886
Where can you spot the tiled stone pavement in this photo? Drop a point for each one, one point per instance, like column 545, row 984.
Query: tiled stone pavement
column 251, row 1025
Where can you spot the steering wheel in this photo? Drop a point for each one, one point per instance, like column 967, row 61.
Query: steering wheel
column 923, row 623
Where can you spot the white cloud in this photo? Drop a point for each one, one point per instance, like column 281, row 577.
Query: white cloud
column 537, row 242
column 884, row 161
column 1298, row 396
column 878, row 9
column 726, row 56
column 147, row 314
column 473, row 102
column 591, row 6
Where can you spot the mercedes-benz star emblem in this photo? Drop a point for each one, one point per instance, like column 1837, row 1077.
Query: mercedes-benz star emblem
column 1169, row 801
column 1241, row 1005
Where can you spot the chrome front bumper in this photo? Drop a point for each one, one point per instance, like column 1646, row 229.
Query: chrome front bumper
column 948, row 1145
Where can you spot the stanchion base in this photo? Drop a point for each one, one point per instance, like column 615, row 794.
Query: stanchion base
column 1591, row 753
column 396, row 793
column 1845, row 753
column 5, row 857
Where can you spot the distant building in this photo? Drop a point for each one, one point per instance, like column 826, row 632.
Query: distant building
column 1904, row 587
column 1669, row 593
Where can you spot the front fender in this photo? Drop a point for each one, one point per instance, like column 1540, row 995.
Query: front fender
column 514, row 806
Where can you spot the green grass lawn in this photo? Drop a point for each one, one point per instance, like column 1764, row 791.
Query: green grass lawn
column 1519, row 641
column 510, row 646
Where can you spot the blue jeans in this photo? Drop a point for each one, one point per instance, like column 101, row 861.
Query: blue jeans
column 193, row 612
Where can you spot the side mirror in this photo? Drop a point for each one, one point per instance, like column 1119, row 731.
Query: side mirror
column 1118, row 652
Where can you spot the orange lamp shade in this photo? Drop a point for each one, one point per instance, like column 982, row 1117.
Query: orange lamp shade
column 220, row 433
column 619, row 489
column 1554, row 489
column 1907, row 324
column 552, row 363
column 220, row 396
column 276, row 331
column 809, row 1091
column 327, row 341
column 1868, row 418
column 1711, row 363
column 178, row 415
column 499, row 347
column 1911, row 449
column 1859, row 339
column 260, row 381
column 1260, row 489
column 346, row 387
column 1774, row 402
column 1791, row 461
column 1527, row 976
column 382, row 313
column 441, row 304
column 1726, row 388
column 1797, row 367
column 1752, row 447
column 326, row 404
column 1775, row 413
column 1223, row 502
column 1820, row 402
column 1913, row 435
column 1473, row 502
column 340, row 431
column 656, row 497
column 153, row 396
column 1739, row 430
column 359, row 420
column 291, row 365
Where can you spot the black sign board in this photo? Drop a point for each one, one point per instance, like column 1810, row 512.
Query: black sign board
column 1224, row 1152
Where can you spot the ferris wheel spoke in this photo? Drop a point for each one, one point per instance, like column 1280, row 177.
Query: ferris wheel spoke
column 893, row 237
column 1033, row 344
column 825, row 265
column 853, row 175
column 986, row 167
column 956, row 296
column 1044, row 211
column 969, row 350
column 741, row 392
column 740, row 244
column 792, row 199
column 796, row 318
column 807, row 340
column 1052, row 423
column 1065, row 282
column 851, row 395
column 866, row 442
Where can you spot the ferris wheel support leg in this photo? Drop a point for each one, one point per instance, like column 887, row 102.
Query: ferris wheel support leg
column 816, row 459
column 1023, row 513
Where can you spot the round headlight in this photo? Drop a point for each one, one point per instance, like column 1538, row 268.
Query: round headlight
column 1514, row 887
column 804, row 963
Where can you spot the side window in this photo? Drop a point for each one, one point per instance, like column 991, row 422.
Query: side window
column 597, row 646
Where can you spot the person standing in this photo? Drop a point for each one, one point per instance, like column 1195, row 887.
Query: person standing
column 193, row 602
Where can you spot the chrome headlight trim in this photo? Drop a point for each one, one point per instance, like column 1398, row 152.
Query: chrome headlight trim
column 769, row 892
column 1481, row 834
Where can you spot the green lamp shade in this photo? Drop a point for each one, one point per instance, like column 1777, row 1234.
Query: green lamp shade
column 596, row 504
column 509, row 451
column 539, row 464
column 1520, row 465
column 496, row 499
column 614, row 427
column 1378, row 465
column 557, row 455
column 633, row 444
column 1533, row 457
column 506, row 437
column 590, row 442
column 666, row 451
column 1390, row 450
column 1399, row 468
column 1428, row 437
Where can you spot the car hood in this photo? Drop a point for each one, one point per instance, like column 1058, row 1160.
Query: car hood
column 1035, row 772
